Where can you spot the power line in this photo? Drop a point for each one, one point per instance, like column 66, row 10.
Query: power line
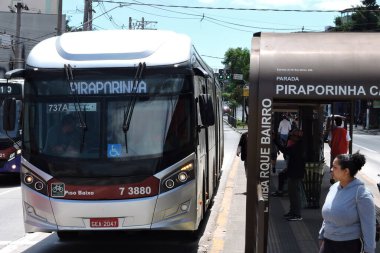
column 230, row 17
column 215, row 21
column 202, row 17
column 215, row 57
column 162, row 16
column 109, row 17
column 121, row 5
column 220, row 8
column 247, row 26
column 209, row 19
column 157, row 6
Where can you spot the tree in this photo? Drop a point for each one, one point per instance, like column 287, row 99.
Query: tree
column 68, row 27
column 363, row 18
column 236, row 60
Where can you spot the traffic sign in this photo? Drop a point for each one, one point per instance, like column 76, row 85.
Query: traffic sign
column 238, row 77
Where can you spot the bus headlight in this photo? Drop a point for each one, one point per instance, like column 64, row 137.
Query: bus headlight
column 181, row 176
column 33, row 182
column 28, row 179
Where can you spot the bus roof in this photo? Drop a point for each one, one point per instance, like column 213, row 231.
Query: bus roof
column 111, row 48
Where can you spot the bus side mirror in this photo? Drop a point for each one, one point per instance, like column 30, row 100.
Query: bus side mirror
column 9, row 114
column 206, row 110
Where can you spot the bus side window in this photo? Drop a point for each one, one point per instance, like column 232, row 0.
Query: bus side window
column 203, row 89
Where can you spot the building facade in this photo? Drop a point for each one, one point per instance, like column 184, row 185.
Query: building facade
column 38, row 21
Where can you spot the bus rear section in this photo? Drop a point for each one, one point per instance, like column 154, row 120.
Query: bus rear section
column 10, row 139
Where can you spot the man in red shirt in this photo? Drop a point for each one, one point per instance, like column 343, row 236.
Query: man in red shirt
column 338, row 139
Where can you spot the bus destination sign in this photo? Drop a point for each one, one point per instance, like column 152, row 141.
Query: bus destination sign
column 10, row 89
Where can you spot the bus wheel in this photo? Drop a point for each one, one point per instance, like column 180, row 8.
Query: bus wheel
column 67, row 235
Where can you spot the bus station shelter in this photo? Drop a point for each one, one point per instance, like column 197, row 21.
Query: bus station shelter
column 301, row 72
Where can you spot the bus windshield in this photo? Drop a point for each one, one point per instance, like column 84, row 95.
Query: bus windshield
column 161, row 126
column 10, row 89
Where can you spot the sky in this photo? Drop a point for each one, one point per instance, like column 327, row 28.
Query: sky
column 214, row 31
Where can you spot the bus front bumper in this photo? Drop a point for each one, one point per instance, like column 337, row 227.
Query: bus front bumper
column 173, row 210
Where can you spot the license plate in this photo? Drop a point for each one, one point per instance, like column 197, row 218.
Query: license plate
column 104, row 222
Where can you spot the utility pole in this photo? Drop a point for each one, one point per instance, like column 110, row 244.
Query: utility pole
column 59, row 20
column 87, row 17
column 19, row 63
column 369, row 104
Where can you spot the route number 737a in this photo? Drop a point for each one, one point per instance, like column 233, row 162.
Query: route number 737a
column 137, row 190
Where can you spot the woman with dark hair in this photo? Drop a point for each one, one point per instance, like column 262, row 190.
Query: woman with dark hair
column 348, row 213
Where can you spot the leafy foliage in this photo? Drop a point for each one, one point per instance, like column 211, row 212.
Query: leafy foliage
column 363, row 18
column 237, row 61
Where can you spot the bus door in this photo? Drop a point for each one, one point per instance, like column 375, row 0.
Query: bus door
column 200, row 88
column 206, row 122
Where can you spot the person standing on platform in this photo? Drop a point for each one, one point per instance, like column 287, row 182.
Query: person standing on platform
column 273, row 153
column 338, row 140
column 295, row 172
column 242, row 149
column 349, row 214
column 283, row 129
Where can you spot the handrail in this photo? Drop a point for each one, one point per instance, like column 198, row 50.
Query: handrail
column 260, row 235
column 259, row 193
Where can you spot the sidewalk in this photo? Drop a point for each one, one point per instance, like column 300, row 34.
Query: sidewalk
column 294, row 236
column 283, row 236
column 360, row 130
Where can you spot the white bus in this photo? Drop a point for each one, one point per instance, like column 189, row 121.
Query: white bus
column 122, row 131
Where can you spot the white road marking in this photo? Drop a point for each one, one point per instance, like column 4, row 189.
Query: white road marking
column 370, row 150
column 23, row 243
column 10, row 190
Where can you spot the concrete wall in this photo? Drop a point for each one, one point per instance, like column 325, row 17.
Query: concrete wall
column 34, row 6
column 34, row 28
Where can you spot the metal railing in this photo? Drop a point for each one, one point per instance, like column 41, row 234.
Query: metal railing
column 260, row 237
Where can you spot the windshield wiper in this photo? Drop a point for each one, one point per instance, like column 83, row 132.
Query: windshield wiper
column 82, row 122
column 129, row 110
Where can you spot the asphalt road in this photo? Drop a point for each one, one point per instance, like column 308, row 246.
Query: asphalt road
column 13, row 238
